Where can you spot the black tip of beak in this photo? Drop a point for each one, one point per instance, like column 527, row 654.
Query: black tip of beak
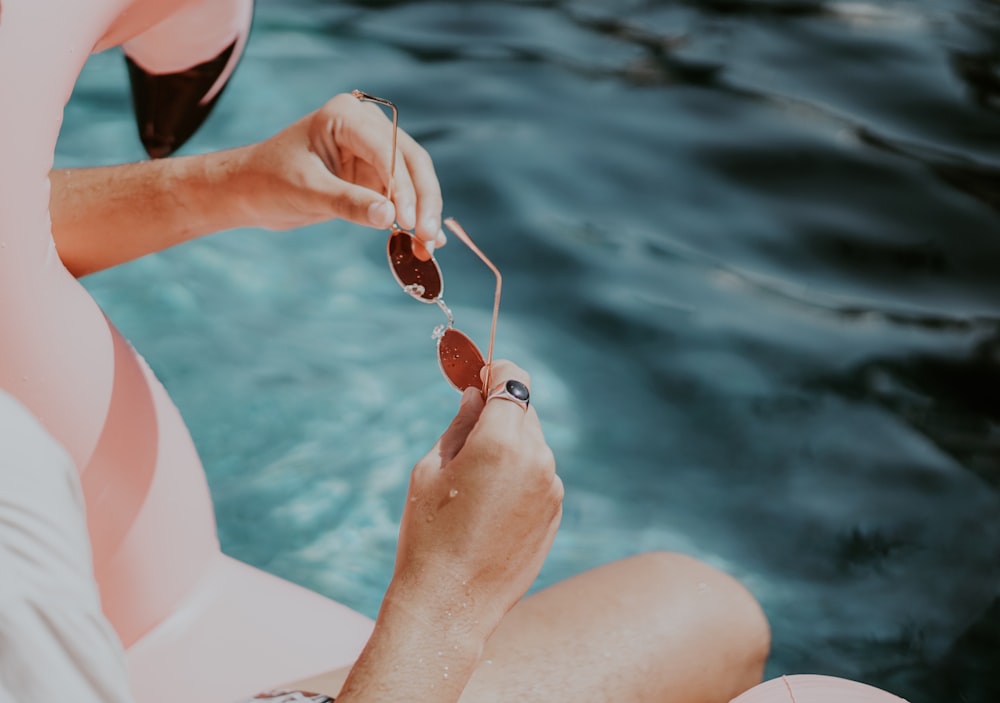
column 158, row 149
column 169, row 108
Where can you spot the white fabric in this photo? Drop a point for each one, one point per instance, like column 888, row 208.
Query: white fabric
column 55, row 644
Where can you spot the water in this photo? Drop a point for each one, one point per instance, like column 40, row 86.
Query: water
column 750, row 256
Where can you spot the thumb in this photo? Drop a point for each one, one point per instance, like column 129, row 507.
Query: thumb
column 454, row 437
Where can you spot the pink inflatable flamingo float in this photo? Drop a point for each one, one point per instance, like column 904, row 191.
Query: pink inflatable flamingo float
column 197, row 625
column 807, row 688
column 175, row 600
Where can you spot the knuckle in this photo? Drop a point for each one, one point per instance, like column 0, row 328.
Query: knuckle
column 558, row 489
column 495, row 450
column 341, row 100
column 421, row 472
column 421, row 155
column 541, row 465
column 509, row 370
column 340, row 105
column 544, row 461
column 415, row 150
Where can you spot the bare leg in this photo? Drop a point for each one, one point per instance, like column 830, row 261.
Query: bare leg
column 658, row 627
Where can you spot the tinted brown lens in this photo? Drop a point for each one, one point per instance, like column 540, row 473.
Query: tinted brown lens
column 421, row 279
column 460, row 360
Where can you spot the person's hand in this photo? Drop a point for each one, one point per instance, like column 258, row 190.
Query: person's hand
column 481, row 513
column 482, row 510
column 334, row 163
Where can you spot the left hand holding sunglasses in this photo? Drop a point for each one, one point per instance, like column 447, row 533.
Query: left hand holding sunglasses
column 335, row 163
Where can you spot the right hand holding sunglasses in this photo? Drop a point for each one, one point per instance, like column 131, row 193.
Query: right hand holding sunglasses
column 482, row 510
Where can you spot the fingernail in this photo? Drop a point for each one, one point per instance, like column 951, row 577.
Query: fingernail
column 423, row 250
column 380, row 213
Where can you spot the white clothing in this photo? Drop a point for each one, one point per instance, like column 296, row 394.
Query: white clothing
column 55, row 644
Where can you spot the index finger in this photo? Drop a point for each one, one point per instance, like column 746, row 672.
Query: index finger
column 369, row 134
column 417, row 192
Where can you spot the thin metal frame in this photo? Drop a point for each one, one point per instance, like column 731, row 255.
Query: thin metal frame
column 452, row 225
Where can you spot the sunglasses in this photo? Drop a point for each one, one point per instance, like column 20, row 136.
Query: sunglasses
column 460, row 359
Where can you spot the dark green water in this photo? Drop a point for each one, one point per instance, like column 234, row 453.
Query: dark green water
column 752, row 259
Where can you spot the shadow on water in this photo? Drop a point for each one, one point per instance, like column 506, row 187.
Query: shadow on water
column 952, row 401
column 976, row 180
column 750, row 255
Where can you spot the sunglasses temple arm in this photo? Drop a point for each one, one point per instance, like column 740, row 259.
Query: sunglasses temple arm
column 365, row 97
column 467, row 240
column 487, row 382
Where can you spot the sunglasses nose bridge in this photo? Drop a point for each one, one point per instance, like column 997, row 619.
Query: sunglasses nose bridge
column 445, row 309
column 416, row 291
column 460, row 359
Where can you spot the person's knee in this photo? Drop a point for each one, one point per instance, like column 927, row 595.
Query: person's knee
column 712, row 604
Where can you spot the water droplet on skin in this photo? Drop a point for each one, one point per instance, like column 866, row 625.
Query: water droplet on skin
column 430, row 518
column 453, row 492
column 444, row 675
column 489, row 661
column 440, row 654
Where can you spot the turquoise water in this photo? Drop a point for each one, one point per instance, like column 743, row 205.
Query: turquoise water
column 751, row 255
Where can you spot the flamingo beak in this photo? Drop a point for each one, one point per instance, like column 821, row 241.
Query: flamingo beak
column 179, row 68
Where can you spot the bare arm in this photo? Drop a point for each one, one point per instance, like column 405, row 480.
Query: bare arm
column 105, row 216
column 413, row 657
column 332, row 163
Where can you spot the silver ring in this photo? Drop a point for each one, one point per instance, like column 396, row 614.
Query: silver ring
column 514, row 391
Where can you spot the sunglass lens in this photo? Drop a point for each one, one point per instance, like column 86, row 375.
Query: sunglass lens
column 421, row 279
column 461, row 361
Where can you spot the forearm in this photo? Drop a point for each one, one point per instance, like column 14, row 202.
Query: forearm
column 417, row 654
column 108, row 215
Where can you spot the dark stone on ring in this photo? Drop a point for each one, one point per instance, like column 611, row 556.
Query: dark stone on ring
column 518, row 390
